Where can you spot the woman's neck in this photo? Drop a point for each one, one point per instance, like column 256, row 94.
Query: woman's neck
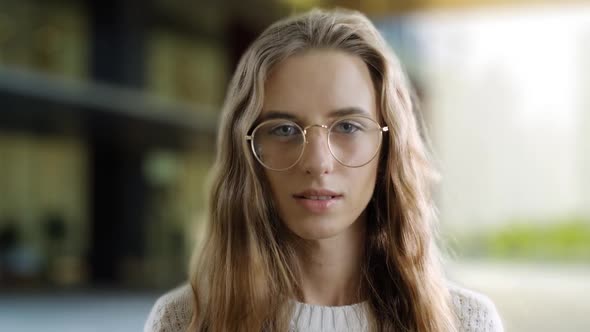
column 331, row 269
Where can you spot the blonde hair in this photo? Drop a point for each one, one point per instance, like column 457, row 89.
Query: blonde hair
column 244, row 276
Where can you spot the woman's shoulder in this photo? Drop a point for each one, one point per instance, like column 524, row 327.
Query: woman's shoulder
column 476, row 312
column 172, row 312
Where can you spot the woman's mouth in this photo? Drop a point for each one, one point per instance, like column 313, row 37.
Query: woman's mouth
column 316, row 197
column 317, row 201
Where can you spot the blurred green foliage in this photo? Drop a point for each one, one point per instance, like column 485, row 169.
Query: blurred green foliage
column 565, row 240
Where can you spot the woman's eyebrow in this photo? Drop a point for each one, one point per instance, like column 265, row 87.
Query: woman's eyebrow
column 346, row 111
column 274, row 114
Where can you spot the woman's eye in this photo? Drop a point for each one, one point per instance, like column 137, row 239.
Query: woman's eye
column 346, row 127
column 284, row 130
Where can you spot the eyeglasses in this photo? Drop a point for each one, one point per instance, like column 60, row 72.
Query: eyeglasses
column 278, row 144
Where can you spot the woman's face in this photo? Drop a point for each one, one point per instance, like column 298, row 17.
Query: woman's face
column 320, row 198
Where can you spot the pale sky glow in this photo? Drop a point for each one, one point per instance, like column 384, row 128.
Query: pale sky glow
column 506, row 90
column 535, row 48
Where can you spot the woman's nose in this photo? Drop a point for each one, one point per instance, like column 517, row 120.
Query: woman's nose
column 317, row 158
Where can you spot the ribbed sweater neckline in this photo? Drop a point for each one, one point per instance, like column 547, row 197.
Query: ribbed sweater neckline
column 313, row 317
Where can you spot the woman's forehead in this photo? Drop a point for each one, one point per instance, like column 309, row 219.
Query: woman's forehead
column 320, row 84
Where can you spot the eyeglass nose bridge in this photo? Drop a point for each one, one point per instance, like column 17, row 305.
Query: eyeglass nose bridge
column 311, row 126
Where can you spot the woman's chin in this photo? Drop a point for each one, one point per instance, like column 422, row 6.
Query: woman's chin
column 317, row 232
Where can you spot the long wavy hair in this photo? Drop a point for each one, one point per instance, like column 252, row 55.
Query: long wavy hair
column 244, row 275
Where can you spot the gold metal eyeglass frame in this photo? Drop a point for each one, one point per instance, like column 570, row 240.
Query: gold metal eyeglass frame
column 305, row 141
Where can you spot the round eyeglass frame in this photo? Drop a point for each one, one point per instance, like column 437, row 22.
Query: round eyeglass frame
column 305, row 141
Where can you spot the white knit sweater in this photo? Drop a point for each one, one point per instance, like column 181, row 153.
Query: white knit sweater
column 172, row 313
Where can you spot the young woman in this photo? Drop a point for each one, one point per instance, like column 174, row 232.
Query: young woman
column 321, row 217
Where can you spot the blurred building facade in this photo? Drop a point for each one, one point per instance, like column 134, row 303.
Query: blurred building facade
column 107, row 129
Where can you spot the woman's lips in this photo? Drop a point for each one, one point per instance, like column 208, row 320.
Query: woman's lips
column 317, row 201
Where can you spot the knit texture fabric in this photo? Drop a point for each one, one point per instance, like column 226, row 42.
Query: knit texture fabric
column 476, row 312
